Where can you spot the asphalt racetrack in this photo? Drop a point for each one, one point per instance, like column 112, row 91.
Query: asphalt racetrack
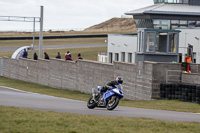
column 17, row 98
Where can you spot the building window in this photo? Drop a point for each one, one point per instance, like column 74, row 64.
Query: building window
column 116, row 56
column 191, row 23
column 185, row 1
column 198, row 24
column 183, row 22
column 173, row 27
column 172, row 1
column 175, row 22
column 110, row 57
column 130, row 57
column 150, row 42
column 161, row 24
column 172, row 42
column 161, row 42
column 194, row 57
column 123, row 56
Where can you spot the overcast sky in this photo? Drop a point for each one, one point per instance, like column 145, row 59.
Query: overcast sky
column 66, row 14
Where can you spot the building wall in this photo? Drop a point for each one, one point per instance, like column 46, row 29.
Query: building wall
column 118, row 43
column 189, row 36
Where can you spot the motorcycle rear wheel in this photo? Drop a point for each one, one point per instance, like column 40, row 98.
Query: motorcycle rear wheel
column 112, row 103
column 91, row 103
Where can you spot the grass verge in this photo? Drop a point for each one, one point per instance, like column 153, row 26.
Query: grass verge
column 68, row 41
column 171, row 105
column 89, row 53
column 26, row 120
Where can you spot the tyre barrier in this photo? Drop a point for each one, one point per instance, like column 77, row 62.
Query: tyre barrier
column 181, row 92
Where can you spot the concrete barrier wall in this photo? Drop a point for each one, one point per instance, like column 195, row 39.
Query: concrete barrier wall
column 141, row 80
column 159, row 75
column 191, row 78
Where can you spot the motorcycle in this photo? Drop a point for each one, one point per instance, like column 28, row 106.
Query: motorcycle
column 110, row 98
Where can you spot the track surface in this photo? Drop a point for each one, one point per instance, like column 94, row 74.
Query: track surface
column 23, row 99
column 7, row 49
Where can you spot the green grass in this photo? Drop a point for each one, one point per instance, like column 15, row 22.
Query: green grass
column 68, row 41
column 87, row 53
column 171, row 105
column 19, row 120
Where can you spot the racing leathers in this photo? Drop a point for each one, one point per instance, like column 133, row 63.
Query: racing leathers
column 110, row 85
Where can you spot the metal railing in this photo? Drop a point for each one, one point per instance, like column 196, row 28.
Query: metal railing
column 173, row 76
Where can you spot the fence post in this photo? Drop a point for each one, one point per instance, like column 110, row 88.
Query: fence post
column 1, row 66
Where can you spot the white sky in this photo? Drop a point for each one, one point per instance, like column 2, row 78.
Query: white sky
column 66, row 14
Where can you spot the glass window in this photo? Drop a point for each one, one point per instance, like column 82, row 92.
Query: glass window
column 172, row 1
column 116, row 56
column 191, row 23
column 183, row 22
column 110, row 57
column 161, row 42
column 157, row 27
column 165, row 27
column 174, row 21
column 172, row 42
column 123, row 56
column 198, row 24
column 173, row 27
column 130, row 57
column 185, row 1
column 150, row 42
column 156, row 21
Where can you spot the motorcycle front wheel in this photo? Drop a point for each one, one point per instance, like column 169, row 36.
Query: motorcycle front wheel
column 91, row 103
column 113, row 102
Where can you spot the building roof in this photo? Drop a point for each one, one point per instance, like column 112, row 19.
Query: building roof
column 171, row 9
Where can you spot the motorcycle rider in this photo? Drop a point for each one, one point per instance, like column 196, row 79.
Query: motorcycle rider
column 110, row 85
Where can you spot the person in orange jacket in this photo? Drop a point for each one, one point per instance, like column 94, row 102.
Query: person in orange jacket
column 188, row 61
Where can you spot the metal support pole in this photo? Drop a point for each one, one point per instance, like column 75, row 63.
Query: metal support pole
column 41, row 33
column 32, row 51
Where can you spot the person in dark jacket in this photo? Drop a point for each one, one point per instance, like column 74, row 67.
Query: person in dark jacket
column 79, row 56
column 35, row 56
column 25, row 54
column 58, row 56
column 111, row 84
column 46, row 56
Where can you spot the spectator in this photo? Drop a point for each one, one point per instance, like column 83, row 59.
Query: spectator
column 67, row 57
column 35, row 56
column 46, row 56
column 69, row 54
column 79, row 56
column 58, row 56
column 25, row 54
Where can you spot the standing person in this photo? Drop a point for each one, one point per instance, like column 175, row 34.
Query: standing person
column 188, row 61
column 69, row 54
column 58, row 56
column 46, row 56
column 25, row 54
column 67, row 57
column 79, row 56
column 35, row 56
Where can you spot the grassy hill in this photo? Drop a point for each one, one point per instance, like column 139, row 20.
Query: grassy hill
column 115, row 25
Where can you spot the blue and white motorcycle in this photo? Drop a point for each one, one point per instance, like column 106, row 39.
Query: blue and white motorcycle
column 111, row 98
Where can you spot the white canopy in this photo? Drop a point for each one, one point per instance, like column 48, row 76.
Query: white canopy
column 19, row 51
